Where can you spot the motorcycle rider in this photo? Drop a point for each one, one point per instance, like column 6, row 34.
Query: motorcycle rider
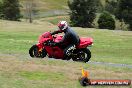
column 69, row 40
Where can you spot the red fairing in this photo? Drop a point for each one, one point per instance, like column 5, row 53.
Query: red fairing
column 52, row 51
column 44, row 37
column 58, row 38
column 85, row 42
column 56, row 51
column 40, row 45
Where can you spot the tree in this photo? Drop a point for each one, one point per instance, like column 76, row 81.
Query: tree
column 106, row 21
column 30, row 9
column 1, row 14
column 124, row 12
column 9, row 10
column 82, row 12
column 111, row 6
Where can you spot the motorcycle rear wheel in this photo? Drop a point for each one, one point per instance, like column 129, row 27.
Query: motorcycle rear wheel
column 83, row 55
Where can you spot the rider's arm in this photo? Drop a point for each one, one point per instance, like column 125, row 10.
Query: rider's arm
column 59, row 43
column 62, row 41
column 56, row 32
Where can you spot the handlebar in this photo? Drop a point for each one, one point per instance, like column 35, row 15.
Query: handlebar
column 48, row 43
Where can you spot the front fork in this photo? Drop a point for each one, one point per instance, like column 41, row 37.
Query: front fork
column 40, row 48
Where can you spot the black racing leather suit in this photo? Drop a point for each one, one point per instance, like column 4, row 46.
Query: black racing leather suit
column 69, row 40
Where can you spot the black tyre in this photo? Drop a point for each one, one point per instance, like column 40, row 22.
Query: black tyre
column 83, row 55
column 34, row 52
column 43, row 53
column 87, row 55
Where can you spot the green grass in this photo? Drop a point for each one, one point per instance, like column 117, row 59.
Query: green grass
column 109, row 46
column 43, row 75
column 47, row 5
column 55, row 19
column 35, row 73
column 19, row 70
column 56, row 4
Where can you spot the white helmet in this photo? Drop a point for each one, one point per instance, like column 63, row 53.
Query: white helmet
column 62, row 25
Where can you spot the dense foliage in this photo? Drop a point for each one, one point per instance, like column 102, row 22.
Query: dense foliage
column 82, row 12
column 9, row 10
column 111, row 6
column 124, row 12
column 106, row 21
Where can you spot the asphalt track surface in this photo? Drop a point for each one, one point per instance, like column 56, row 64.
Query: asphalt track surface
column 105, row 64
column 90, row 62
column 110, row 64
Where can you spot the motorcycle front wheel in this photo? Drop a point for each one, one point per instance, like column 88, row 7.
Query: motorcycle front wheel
column 34, row 52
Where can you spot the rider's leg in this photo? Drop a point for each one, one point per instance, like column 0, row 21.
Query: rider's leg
column 67, row 51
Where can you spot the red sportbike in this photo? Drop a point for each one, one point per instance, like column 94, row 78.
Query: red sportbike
column 44, row 48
